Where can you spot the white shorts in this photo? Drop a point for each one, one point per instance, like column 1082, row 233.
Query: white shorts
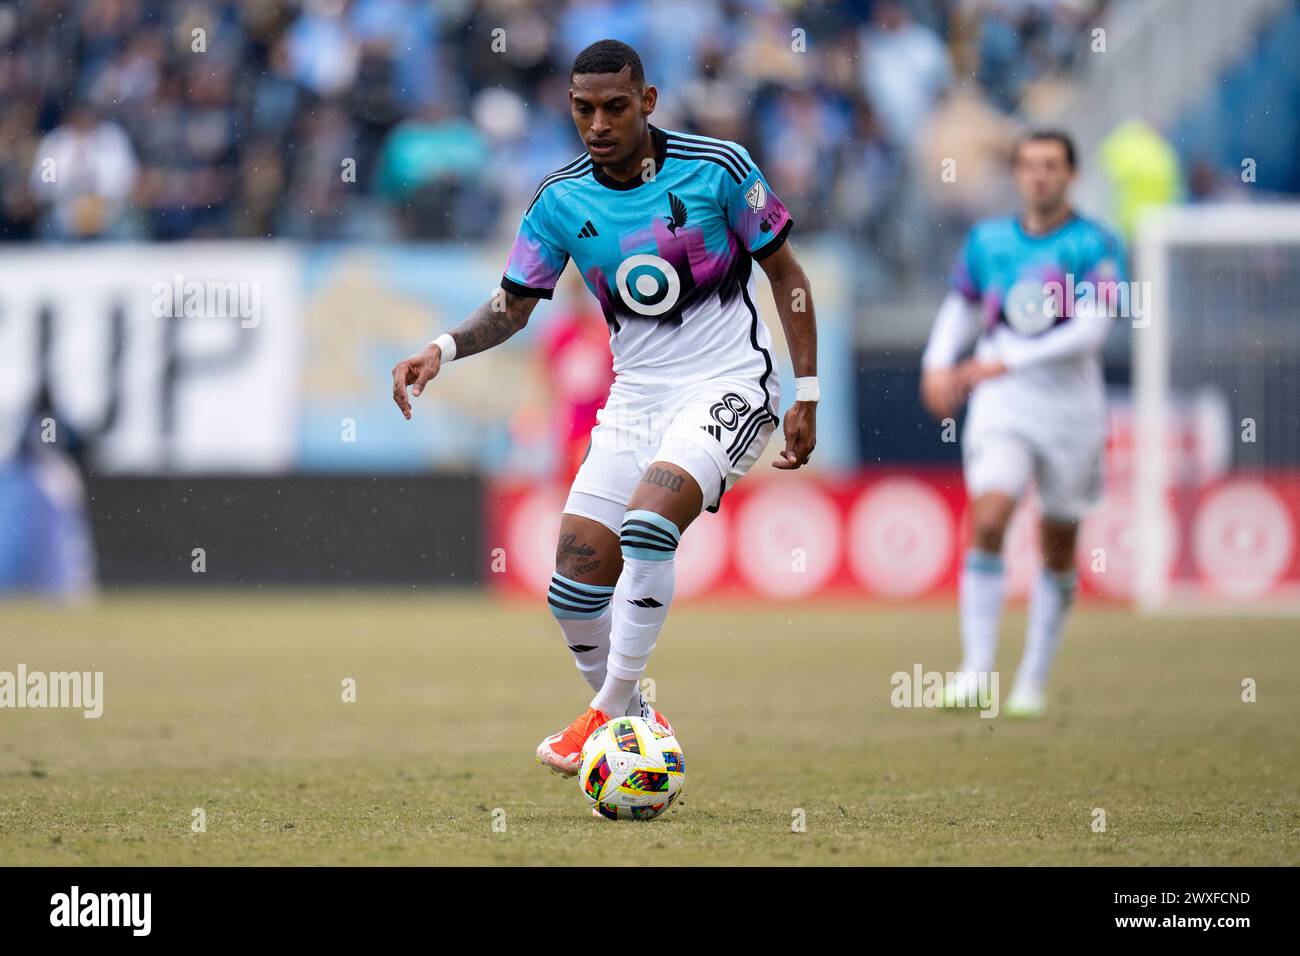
column 714, row 431
column 1067, row 473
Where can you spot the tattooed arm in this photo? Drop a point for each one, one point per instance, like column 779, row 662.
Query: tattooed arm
column 490, row 324
column 793, row 297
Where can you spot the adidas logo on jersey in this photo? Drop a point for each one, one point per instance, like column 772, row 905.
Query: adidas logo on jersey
column 714, row 430
column 587, row 231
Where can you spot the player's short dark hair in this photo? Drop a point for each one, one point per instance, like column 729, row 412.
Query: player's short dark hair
column 608, row 56
column 1047, row 136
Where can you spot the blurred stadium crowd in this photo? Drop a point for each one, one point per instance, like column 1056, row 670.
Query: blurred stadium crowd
column 238, row 118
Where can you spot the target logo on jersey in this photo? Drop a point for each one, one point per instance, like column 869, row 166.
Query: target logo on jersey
column 648, row 285
column 1030, row 309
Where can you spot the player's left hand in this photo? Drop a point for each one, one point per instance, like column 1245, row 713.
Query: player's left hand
column 800, row 427
column 974, row 371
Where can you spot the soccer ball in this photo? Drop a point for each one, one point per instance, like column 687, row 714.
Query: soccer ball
column 632, row 769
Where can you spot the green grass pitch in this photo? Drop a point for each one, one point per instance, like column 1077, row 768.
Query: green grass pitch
column 232, row 703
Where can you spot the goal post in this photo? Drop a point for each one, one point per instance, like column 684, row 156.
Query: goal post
column 1216, row 390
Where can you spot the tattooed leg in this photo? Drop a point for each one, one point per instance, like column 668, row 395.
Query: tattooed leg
column 587, row 551
column 670, row 492
column 587, row 564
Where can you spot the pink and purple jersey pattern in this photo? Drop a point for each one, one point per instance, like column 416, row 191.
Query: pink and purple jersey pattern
column 657, row 246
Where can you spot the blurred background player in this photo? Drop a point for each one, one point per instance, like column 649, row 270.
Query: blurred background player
column 664, row 227
column 1038, row 290
column 47, row 547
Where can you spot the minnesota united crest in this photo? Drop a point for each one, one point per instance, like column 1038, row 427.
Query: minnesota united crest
column 678, row 217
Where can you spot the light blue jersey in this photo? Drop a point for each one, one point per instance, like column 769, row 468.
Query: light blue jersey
column 669, row 256
column 1045, row 303
column 1015, row 275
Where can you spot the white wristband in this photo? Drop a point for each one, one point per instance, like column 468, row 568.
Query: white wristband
column 806, row 389
column 448, row 346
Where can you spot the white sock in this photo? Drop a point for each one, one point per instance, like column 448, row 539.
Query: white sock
column 584, row 616
column 615, row 696
column 641, row 600
column 982, row 589
column 587, row 637
column 634, row 705
column 1049, row 606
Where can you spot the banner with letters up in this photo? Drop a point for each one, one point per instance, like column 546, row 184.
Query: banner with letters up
column 179, row 358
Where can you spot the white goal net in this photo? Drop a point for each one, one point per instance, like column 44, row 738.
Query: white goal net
column 1216, row 369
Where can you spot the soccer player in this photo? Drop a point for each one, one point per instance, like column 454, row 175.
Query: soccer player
column 664, row 228
column 1038, row 291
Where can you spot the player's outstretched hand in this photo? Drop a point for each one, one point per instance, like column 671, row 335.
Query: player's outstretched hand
column 800, row 429
column 416, row 371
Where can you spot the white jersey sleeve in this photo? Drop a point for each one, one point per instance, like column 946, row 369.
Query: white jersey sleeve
column 955, row 329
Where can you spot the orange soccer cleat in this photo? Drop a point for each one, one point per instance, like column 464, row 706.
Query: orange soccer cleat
column 562, row 752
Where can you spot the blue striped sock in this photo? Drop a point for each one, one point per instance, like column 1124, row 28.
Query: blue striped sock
column 649, row 536
column 573, row 600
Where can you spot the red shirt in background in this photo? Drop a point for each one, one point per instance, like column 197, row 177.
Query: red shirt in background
column 579, row 373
